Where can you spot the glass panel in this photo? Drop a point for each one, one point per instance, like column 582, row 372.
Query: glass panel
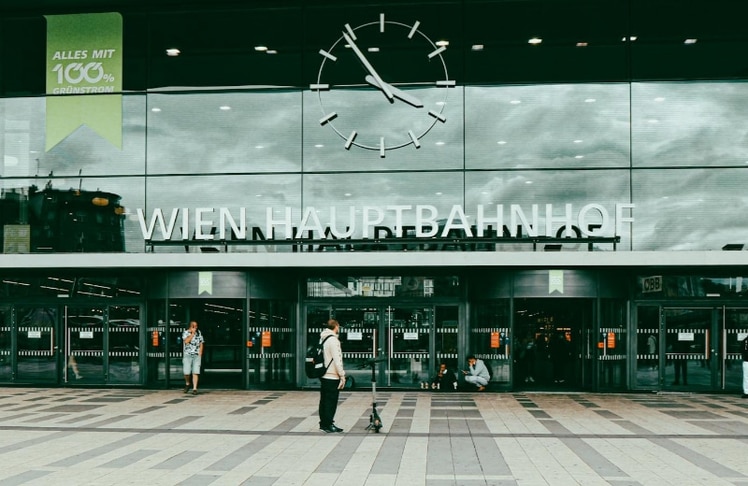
column 659, row 286
column 124, row 344
column 239, row 132
column 647, row 346
column 271, row 343
column 490, row 340
column 272, row 191
column 178, row 320
column 696, row 198
column 385, row 286
column 74, row 215
column 441, row 148
column 409, row 334
column 582, row 125
column 670, row 119
column 360, row 334
column 612, row 353
column 735, row 330
column 6, row 371
column 446, row 341
column 688, row 339
column 536, row 189
column 37, row 357
column 84, row 346
column 157, row 342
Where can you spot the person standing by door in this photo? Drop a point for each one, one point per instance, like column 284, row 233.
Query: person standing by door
column 334, row 378
column 744, row 352
column 192, row 354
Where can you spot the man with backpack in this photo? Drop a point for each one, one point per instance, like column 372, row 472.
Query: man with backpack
column 334, row 378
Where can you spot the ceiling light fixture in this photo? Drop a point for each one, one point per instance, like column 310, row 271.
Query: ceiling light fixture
column 477, row 47
column 690, row 41
column 261, row 48
column 224, row 108
column 535, row 41
column 582, row 44
column 442, row 43
column 271, row 51
column 173, row 52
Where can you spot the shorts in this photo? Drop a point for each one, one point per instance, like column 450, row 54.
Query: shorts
column 191, row 364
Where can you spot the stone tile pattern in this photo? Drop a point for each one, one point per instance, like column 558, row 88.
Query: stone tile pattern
column 225, row 437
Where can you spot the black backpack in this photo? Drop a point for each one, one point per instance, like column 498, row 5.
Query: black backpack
column 315, row 360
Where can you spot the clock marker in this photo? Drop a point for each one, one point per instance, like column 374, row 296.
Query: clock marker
column 328, row 55
column 413, row 29
column 437, row 52
column 327, row 118
column 446, row 83
column 438, row 116
column 381, row 22
column 349, row 140
column 414, row 138
column 350, row 31
column 381, row 147
column 319, row 87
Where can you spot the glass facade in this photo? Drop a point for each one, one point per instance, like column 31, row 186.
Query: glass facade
column 425, row 128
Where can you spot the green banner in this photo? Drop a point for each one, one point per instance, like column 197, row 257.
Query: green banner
column 84, row 76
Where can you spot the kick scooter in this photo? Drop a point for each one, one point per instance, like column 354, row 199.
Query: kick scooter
column 375, row 421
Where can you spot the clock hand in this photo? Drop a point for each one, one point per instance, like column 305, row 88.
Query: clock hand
column 382, row 85
column 397, row 93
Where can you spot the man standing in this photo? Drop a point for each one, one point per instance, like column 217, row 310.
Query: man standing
column 192, row 354
column 334, row 378
column 477, row 374
column 744, row 352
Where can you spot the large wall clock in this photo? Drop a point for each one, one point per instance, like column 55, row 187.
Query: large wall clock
column 382, row 85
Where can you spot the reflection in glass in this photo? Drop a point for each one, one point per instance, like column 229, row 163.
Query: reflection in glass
column 684, row 209
column 383, row 286
column 37, row 360
column 676, row 124
column 648, row 346
column 5, row 345
column 124, row 344
column 547, row 126
column 270, row 344
column 224, row 132
column 530, row 189
column 84, row 344
column 491, row 341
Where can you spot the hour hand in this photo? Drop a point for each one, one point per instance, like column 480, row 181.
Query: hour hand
column 397, row 93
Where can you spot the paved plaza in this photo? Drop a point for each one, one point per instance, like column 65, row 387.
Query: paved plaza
column 231, row 437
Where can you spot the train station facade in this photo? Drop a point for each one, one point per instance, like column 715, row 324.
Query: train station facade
column 553, row 187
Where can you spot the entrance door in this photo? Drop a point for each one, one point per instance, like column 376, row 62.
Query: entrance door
column 555, row 343
column 404, row 338
column 689, row 346
column 221, row 321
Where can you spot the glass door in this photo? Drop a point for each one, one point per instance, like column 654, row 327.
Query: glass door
column 401, row 337
column 734, row 330
column 271, row 356
column 409, row 333
column 37, row 345
column 689, row 345
column 83, row 348
column 6, row 345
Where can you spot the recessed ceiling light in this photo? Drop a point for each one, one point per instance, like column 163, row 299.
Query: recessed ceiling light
column 515, row 102
column 224, row 108
column 477, row 47
column 438, row 193
column 373, row 49
column 690, row 41
column 319, row 145
column 440, row 103
column 582, row 44
column 577, row 141
column 579, row 156
column 347, row 194
column 155, row 109
column 173, row 52
column 259, row 146
column 271, row 51
column 501, row 142
column 632, row 38
column 261, row 48
column 590, row 100
column 442, row 43
column 535, row 41
column 440, row 143
column 528, row 182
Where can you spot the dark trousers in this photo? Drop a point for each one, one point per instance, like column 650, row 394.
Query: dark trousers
column 328, row 401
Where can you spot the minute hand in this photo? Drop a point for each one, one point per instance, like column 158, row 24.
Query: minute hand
column 397, row 93
column 382, row 85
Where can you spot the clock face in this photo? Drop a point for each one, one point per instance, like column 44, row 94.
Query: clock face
column 382, row 85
